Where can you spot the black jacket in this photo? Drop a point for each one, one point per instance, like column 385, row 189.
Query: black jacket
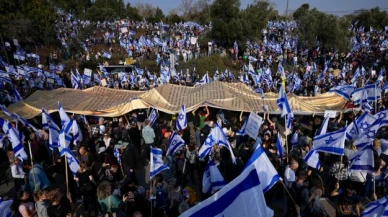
column 131, row 157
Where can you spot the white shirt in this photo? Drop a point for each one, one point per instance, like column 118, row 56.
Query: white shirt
column 17, row 172
column 289, row 176
column 107, row 141
column 102, row 129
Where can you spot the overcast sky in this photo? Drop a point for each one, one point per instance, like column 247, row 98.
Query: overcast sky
column 338, row 7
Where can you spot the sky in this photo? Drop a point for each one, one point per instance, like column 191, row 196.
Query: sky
column 337, row 7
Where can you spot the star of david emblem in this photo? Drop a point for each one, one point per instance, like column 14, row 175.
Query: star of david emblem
column 357, row 158
column 181, row 117
column 371, row 134
column 209, row 140
column 342, row 89
column 174, row 142
column 330, row 140
column 382, row 115
column 70, row 159
column 154, row 158
column 353, row 131
column 365, row 126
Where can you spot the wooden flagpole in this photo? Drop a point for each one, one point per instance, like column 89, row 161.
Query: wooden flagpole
column 32, row 164
column 67, row 175
column 151, row 194
column 285, row 187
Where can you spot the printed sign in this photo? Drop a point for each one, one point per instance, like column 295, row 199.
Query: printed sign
column 50, row 80
column 253, row 125
column 124, row 30
column 330, row 113
column 88, row 72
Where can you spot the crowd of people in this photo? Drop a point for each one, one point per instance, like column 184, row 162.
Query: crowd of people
column 113, row 153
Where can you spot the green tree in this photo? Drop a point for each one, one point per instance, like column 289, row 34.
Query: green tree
column 226, row 21
column 374, row 17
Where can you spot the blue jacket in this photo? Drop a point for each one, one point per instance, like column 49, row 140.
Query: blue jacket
column 41, row 179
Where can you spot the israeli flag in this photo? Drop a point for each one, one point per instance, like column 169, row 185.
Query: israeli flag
column 345, row 91
column 15, row 138
column 285, row 107
column 279, row 146
column 74, row 81
column 48, row 121
column 242, row 197
column 205, row 79
column 352, row 131
column 382, row 118
column 53, row 136
column 377, row 208
column 323, row 128
column 368, row 124
column 295, row 138
column 264, row 168
column 156, row 163
column 241, row 132
column 72, row 161
column 64, row 138
column 332, row 143
column 28, row 125
column 175, row 143
column 153, row 116
column 116, row 153
column 356, row 75
column 76, row 133
column 212, row 178
column 359, row 95
column 181, row 121
column 7, row 112
column 312, row 159
column 362, row 160
column 5, row 208
column 17, row 95
column 107, row 55
column 373, row 92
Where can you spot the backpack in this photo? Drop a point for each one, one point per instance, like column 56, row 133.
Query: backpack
column 161, row 199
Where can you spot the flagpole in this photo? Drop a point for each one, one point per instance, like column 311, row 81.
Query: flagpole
column 285, row 187
column 32, row 164
column 151, row 194
column 53, row 155
column 286, row 141
column 67, row 175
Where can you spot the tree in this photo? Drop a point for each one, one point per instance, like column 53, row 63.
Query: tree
column 226, row 22
column 370, row 18
column 186, row 6
column 315, row 26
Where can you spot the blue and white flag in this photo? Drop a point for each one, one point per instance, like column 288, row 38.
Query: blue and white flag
column 382, row 117
column 377, row 208
column 107, row 55
column 352, row 131
column 77, row 135
column 15, row 138
column 17, row 95
column 7, row 112
column 181, row 121
column 241, row 132
column 72, row 161
column 241, row 197
column 64, row 137
column 175, row 143
column 332, row 143
column 205, row 79
column 295, row 138
column 284, row 106
column 264, row 168
column 74, row 81
column 323, row 128
column 28, row 125
column 53, row 136
column 48, row 121
column 312, row 159
column 156, row 163
column 345, row 91
column 362, row 160
column 368, row 124
column 116, row 153
column 212, row 179
column 153, row 116
column 279, row 146
column 5, row 208
column 373, row 92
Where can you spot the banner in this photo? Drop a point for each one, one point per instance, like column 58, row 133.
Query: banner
column 168, row 98
column 253, row 125
column 88, row 72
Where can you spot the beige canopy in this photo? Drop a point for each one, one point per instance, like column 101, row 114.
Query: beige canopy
column 101, row 101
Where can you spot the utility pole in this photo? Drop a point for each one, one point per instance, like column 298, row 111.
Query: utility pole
column 287, row 10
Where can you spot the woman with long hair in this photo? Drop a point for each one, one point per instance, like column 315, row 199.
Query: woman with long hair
column 86, row 185
column 109, row 203
column 61, row 206
column 316, row 193
column 41, row 203
column 26, row 207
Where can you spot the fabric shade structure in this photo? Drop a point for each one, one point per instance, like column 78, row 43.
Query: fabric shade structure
column 106, row 102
